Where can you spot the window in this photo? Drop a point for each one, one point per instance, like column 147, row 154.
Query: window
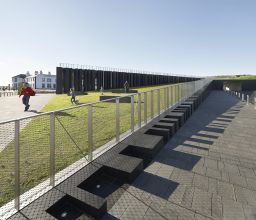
column 49, row 80
column 49, row 86
column 54, row 86
column 43, row 85
column 43, row 79
column 15, row 79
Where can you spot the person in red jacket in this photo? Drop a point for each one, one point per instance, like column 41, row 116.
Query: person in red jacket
column 26, row 91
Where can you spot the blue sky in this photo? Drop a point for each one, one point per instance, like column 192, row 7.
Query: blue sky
column 197, row 37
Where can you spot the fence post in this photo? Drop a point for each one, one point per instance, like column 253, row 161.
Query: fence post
column 90, row 133
column 145, row 108
column 170, row 97
column 242, row 97
column 173, row 94
column 255, row 103
column 52, row 149
column 132, row 113
column 247, row 99
column 117, row 120
column 181, row 91
column 176, row 94
column 165, row 99
column 167, row 96
column 158, row 101
column 139, row 109
column 152, row 103
column 17, row 164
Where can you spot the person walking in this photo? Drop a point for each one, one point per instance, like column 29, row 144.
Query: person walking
column 73, row 96
column 126, row 86
column 26, row 91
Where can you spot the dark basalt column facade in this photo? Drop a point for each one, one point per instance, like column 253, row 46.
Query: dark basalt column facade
column 88, row 80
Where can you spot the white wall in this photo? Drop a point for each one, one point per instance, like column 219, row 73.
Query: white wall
column 39, row 81
column 44, row 81
column 15, row 85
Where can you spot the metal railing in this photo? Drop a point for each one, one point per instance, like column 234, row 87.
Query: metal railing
column 249, row 98
column 40, row 151
column 8, row 93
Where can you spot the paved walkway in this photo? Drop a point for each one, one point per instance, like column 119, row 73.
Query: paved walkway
column 12, row 108
column 206, row 171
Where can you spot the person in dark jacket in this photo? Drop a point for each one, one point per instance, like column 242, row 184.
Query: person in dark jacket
column 26, row 91
column 73, row 96
column 126, row 86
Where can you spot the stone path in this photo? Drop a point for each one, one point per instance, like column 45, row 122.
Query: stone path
column 206, row 171
column 12, row 108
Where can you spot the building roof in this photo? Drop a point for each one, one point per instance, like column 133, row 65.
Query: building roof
column 23, row 76
column 44, row 75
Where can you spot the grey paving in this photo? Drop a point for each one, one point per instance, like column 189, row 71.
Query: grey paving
column 12, row 108
column 206, row 171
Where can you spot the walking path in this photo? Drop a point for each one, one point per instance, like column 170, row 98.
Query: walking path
column 12, row 108
column 206, row 171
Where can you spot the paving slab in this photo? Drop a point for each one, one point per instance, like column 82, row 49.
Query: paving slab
column 214, row 169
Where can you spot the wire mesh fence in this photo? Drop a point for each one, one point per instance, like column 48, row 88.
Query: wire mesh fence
column 71, row 140
column 34, row 153
column 46, row 149
column 7, row 162
column 125, row 104
column 103, row 123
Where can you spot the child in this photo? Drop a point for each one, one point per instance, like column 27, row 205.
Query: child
column 26, row 91
column 73, row 96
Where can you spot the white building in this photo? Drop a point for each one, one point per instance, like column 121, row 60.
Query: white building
column 41, row 81
column 18, row 80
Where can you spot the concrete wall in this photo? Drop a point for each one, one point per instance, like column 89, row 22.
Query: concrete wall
column 237, row 85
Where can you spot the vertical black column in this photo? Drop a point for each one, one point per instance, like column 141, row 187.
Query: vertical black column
column 76, row 79
column 59, row 80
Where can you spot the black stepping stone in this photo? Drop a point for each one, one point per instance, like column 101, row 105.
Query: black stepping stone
column 102, row 183
column 171, row 120
column 65, row 208
column 148, row 129
column 123, row 167
column 147, row 143
column 164, row 132
column 192, row 104
column 143, row 146
column 177, row 115
column 53, row 205
column 170, row 126
column 187, row 107
column 185, row 111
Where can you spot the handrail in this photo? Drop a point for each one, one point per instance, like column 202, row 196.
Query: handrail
column 83, row 105
column 153, row 105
